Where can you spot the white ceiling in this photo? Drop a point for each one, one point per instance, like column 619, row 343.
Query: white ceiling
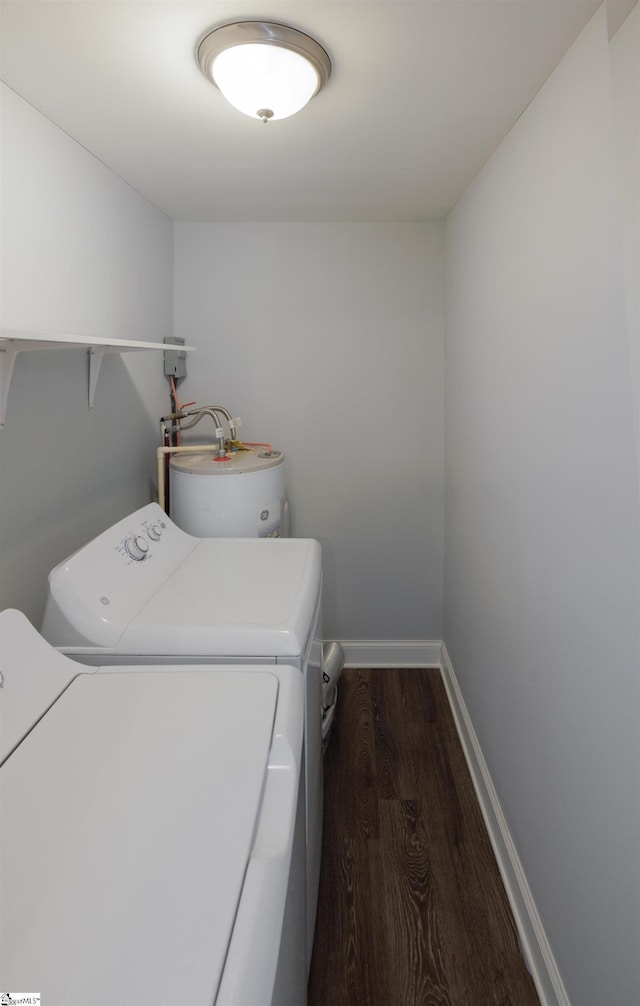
column 422, row 91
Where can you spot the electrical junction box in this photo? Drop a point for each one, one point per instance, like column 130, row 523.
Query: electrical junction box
column 175, row 360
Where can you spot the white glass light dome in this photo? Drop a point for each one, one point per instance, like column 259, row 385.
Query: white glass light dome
column 264, row 69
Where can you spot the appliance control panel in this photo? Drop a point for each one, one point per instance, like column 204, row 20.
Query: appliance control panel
column 95, row 593
column 136, row 545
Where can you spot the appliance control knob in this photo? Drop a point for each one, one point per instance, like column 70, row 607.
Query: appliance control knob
column 155, row 532
column 136, row 547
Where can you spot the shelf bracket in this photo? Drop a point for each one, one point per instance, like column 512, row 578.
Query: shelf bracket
column 95, row 361
column 8, row 353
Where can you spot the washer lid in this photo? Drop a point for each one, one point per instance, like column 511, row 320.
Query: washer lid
column 232, row 597
column 25, row 697
column 128, row 818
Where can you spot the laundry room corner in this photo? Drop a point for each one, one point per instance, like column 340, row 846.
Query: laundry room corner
column 82, row 255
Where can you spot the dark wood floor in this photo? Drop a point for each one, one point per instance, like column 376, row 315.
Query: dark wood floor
column 412, row 910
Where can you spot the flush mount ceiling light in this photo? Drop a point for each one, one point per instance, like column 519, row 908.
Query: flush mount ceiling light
column 264, row 69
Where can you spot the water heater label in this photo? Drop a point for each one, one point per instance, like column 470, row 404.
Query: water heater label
column 268, row 525
column 269, row 522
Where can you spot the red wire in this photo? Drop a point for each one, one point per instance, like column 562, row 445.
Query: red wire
column 179, row 408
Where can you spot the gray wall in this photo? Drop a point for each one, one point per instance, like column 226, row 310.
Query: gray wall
column 542, row 598
column 82, row 253
column 327, row 340
column 625, row 77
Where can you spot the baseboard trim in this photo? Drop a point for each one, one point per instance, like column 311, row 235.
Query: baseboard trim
column 533, row 940
column 392, row 652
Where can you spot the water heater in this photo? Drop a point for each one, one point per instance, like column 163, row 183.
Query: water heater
column 240, row 496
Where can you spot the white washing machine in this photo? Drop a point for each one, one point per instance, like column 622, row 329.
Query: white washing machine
column 144, row 591
column 152, row 846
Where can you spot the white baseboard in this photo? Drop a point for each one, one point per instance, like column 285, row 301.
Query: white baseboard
column 533, row 940
column 391, row 653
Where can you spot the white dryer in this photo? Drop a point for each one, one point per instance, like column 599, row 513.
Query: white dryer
column 144, row 591
column 152, row 846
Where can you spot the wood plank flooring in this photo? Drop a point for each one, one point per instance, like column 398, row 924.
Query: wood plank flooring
column 412, row 910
